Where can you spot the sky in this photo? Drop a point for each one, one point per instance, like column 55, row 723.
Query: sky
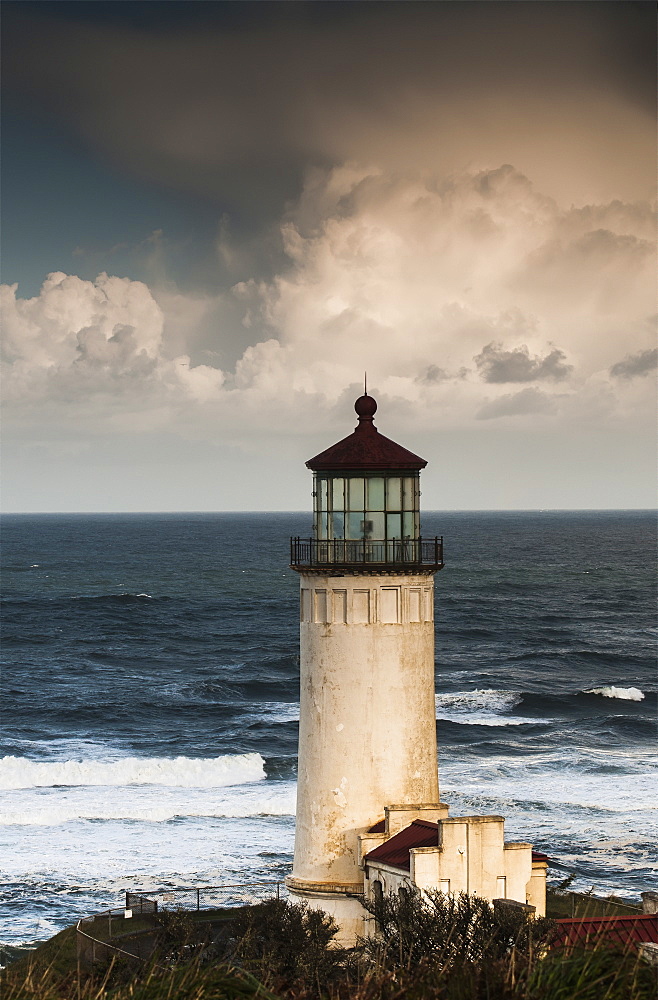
column 218, row 216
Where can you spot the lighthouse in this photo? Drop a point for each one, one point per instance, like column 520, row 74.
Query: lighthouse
column 369, row 817
column 367, row 716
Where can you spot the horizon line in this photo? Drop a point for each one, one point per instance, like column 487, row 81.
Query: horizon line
column 435, row 510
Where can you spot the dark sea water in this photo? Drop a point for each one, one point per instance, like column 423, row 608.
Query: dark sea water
column 151, row 682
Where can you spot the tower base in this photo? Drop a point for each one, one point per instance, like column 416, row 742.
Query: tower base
column 343, row 903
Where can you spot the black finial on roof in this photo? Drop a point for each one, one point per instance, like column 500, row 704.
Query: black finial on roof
column 366, row 407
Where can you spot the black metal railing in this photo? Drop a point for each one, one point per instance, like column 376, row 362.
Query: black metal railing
column 315, row 553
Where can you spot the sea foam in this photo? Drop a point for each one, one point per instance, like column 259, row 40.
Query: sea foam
column 625, row 694
column 187, row 772
column 482, row 707
column 147, row 804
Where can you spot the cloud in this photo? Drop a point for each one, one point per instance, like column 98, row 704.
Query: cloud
column 433, row 375
column 402, row 276
column 93, row 347
column 495, row 364
column 634, row 365
column 527, row 401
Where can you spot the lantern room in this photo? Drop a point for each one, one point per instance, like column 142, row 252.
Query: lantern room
column 366, row 491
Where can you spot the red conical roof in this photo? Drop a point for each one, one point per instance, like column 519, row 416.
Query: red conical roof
column 366, row 448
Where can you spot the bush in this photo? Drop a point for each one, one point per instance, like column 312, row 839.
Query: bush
column 287, row 944
column 179, row 938
column 449, row 930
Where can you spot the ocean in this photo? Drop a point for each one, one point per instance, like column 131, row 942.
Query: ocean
column 151, row 699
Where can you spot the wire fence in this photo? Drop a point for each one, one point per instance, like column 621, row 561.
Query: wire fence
column 128, row 932
column 204, row 897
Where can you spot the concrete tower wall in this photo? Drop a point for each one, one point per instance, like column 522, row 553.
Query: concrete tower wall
column 367, row 716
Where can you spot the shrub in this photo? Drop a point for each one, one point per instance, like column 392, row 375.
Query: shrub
column 285, row 943
column 179, row 938
column 449, row 930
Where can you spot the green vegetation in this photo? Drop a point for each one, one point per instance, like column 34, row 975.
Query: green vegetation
column 428, row 948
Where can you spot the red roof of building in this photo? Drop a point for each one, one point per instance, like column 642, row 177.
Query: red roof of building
column 538, row 856
column 623, row 931
column 395, row 852
column 366, row 448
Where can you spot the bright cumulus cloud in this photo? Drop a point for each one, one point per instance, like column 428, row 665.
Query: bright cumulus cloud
column 448, row 292
column 81, row 344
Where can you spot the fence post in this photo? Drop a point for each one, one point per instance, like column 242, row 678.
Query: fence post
column 198, row 899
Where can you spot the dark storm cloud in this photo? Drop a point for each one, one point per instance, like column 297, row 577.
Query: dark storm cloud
column 495, row 364
column 634, row 365
column 235, row 107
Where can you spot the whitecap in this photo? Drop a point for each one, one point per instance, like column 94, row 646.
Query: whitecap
column 188, row 772
column 625, row 694
column 496, row 701
column 274, row 711
column 482, row 707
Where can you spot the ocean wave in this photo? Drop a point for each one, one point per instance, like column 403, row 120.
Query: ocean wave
column 122, row 596
column 495, row 701
column 274, row 711
column 187, row 772
column 607, row 780
column 482, row 707
column 150, row 805
column 625, row 694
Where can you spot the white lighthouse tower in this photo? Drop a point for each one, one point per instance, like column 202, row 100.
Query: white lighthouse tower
column 367, row 716
column 369, row 817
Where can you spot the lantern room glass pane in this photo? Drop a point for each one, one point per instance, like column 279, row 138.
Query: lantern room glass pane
column 394, row 493
column 409, row 525
column 357, row 494
column 409, row 493
column 375, row 524
column 322, row 494
column 393, row 525
column 376, row 495
column 338, row 525
column 322, row 524
column 338, row 494
column 353, row 527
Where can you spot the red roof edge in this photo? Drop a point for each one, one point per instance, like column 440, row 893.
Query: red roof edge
column 626, row 931
column 395, row 852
